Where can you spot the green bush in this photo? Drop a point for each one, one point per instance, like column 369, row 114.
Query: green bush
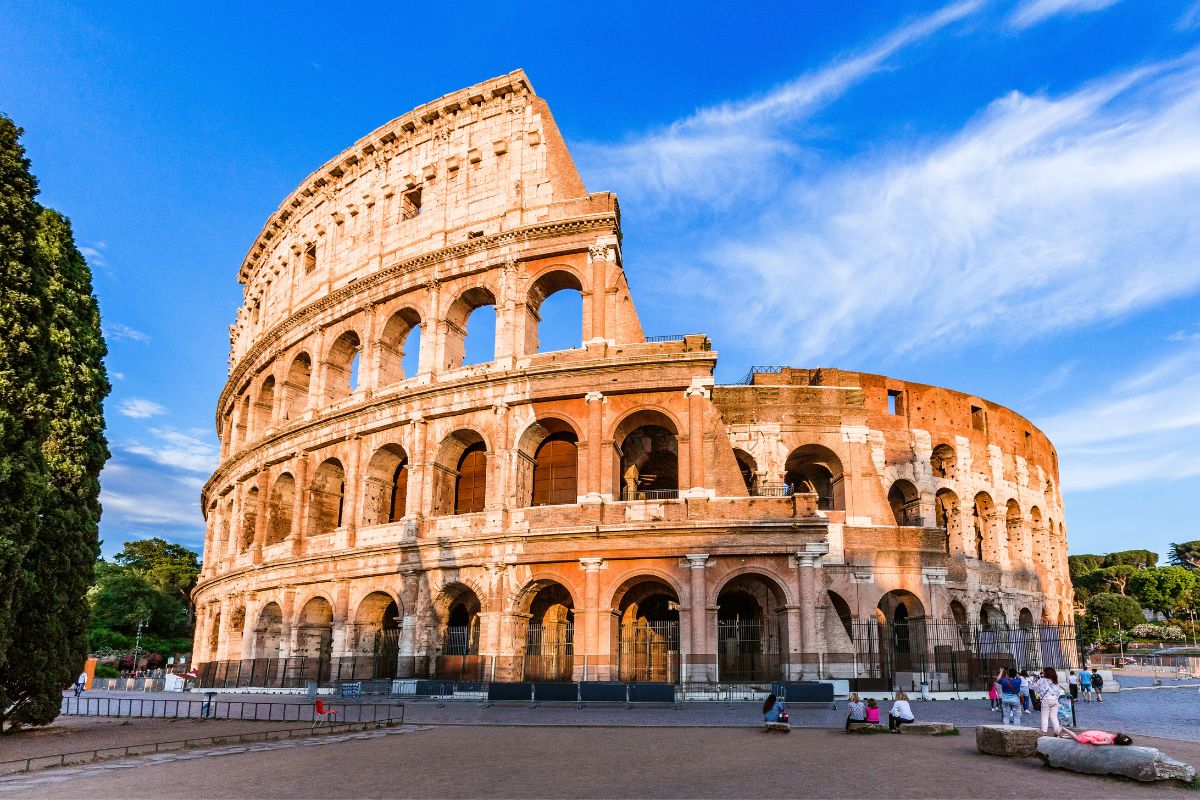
column 106, row 671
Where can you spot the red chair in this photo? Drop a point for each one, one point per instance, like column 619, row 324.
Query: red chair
column 322, row 713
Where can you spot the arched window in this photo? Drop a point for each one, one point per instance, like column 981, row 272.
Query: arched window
column 400, row 347
column 905, row 503
column 554, row 313
column 265, row 406
column 556, row 470
column 341, row 367
column 397, row 507
column 649, row 451
column 249, row 519
column 295, row 390
column 748, row 469
column 942, row 461
column 982, row 519
column 814, row 469
column 471, row 329
column 283, row 500
column 326, row 497
column 385, row 486
column 470, row 491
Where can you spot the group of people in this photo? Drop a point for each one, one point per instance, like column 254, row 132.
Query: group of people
column 1085, row 683
column 1014, row 694
column 867, row 712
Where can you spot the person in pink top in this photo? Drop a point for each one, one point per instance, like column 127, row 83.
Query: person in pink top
column 872, row 711
column 1097, row 737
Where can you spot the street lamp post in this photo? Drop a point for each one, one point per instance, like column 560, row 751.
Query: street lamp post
column 1120, row 638
column 137, row 644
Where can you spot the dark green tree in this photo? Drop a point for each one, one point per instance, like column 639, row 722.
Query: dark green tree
column 1186, row 554
column 1165, row 589
column 169, row 567
column 1083, row 564
column 1112, row 579
column 1138, row 559
column 1107, row 607
column 48, row 611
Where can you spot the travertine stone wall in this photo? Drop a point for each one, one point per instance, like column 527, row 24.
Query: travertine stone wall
column 343, row 504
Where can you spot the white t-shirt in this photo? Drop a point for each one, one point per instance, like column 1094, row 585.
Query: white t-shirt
column 901, row 709
column 82, row 678
column 1072, row 680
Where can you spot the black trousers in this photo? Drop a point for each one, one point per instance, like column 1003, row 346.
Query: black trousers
column 894, row 723
column 850, row 722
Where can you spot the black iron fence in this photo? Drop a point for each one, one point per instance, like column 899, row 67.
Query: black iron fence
column 262, row 711
column 549, row 651
column 291, row 673
column 749, row 650
column 948, row 656
column 648, row 651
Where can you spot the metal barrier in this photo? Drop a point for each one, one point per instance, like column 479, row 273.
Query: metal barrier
column 124, row 751
column 263, row 711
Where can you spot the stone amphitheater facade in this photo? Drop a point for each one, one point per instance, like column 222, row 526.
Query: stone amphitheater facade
column 602, row 512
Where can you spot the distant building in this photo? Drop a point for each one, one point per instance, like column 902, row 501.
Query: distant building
column 603, row 512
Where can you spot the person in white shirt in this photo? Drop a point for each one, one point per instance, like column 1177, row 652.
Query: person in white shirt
column 1049, row 691
column 900, row 714
column 80, row 682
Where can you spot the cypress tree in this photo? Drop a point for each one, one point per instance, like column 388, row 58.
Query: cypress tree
column 23, row 339
column 48, row 610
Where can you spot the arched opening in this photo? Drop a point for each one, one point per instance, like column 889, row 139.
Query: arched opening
column 456, row 492
column 401, row 336
column 946, row 516
column 295, row 389
column 648, row 448
column 314, row 636
column 962, row 622
column 816, row 469
column 1025, row 618
column 386, row 486
column 549, row 633
column 341, row 367
column 906, row 503
column 981, row 519
column 751, row 630
column 1013, row 533
column 458, row 618
column 282, row 504
column 264, row 407
column 647, row 631
column 904, row 613
column 471, row 329
column 943, row 462
column 991, row 616
column 243, row 421
column 249, row 519
column 749, row 470
column 376, row 632
column 554, row 313
column 842, row 609
column 556, row 470
column 268, row 632
column 214, row 636
column 325, row 497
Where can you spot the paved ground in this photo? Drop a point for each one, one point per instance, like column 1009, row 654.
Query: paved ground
column 501, row 761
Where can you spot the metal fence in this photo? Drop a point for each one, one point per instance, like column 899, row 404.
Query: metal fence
column 549, row 651
column 648, row 651
column 749, row 650
column 289, row 673
column 948, row 656
column 262, row 711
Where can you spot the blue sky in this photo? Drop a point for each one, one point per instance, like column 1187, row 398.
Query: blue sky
column 998, row 197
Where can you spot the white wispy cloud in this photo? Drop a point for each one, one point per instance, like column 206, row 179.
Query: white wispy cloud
column 187, row 450
column 1147, row 429
column 1033, row 12
column 718, row 152
column 135, row 498
column 1190, row 19
column 1044, row 213
column 140, row 408
column 118, row 330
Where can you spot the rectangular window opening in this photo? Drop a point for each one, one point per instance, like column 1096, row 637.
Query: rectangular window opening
column 410, row 204
column 310, row 258
column 895, row 402
column 979, row 419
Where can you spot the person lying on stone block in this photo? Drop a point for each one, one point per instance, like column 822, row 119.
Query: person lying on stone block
column 1097, row 737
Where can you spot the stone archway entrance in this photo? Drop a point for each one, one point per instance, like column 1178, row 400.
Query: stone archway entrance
column 648, row 632
column 550, row 635
column 751, row 631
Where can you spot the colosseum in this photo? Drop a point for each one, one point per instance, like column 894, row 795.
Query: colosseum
column 600, row 513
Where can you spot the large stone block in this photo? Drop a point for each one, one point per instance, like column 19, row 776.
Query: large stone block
column 930, row 728
column 1007, row 740
column 1139, row 763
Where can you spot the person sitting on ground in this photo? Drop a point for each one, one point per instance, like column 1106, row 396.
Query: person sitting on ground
column 872, row 711
column 772, row 708
column 857, row 712
column 1097, row 737
column 901, row 713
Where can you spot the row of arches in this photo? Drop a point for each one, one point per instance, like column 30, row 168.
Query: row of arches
column 467, row 334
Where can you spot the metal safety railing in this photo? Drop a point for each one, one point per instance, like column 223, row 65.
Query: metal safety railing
column 650, row 494
column 212, row 708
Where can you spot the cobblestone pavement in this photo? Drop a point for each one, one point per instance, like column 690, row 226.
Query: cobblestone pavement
column 501, row 761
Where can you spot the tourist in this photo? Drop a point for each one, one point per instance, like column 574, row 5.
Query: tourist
column 80, row 682
column 872, row 711
column 1097, row 737
column 1085, row 684
column 1073, row 685
column 994, row 696
column 1010, row 695
column 1097, row 685
column 1026, row 700
column 858, row 712
column 1049, row 691
column 772, row 709
column 900, row 714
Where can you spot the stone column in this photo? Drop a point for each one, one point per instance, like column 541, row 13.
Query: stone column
column 369, row 356
column 287, row 631
column 316, row 380
column 406, row 647
column 807, row 562
column 598, row 259
column 299, row 505
column 340, row 644
column 699, row 659
column 418, row 469
column 595, row 450
column 225, row 629
column 696, row 395
column 248, row 625
column 352, row 492
column 237, row 520
column 591, row 621
column 261, row 521
column 431, row 327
